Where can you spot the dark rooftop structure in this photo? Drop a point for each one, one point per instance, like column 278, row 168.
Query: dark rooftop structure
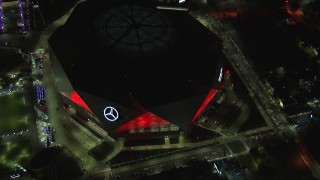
column 133, row 56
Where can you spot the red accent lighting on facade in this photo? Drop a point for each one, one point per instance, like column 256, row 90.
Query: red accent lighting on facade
column 204, row 104
column 144, row 121
column 74, row 96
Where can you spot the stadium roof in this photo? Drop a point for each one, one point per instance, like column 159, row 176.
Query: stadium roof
column 137, row 58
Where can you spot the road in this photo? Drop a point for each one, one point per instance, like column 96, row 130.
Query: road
column 208, row 152
column 257, row 90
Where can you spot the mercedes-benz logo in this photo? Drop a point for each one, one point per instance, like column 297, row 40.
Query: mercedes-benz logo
column 110, row 113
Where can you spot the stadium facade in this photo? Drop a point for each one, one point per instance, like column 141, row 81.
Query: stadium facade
column 135, row 69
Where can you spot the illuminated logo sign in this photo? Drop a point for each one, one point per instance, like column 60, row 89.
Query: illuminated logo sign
column 110, row 113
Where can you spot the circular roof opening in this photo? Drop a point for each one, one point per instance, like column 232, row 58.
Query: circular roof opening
column 134, row 29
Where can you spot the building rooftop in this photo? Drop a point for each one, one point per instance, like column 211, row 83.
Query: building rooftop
column 136, row 56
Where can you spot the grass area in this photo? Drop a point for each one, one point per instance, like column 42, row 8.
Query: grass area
column 12, row 113
column 15, row 152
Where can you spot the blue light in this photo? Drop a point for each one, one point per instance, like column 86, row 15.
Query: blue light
column 2, row 19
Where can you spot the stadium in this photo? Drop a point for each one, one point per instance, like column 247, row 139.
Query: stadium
column 136, row 68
